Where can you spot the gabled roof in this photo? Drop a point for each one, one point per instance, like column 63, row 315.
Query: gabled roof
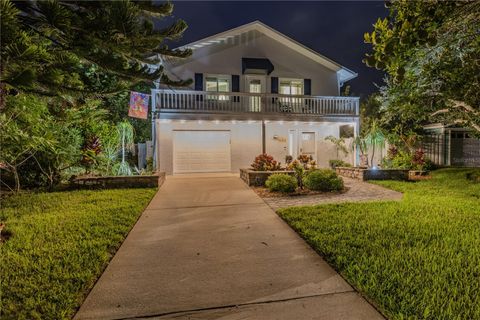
column 344, row 73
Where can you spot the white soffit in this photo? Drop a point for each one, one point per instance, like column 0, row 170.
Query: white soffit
column 250, row 30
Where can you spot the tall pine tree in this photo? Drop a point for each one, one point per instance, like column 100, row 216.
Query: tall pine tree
column 47, row 46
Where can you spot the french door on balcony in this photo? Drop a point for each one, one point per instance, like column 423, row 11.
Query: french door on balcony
column 255, row 85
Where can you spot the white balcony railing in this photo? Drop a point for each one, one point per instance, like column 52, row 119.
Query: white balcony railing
column 239, row 102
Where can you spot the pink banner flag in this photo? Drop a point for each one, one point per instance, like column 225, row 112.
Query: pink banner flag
column 138, row 105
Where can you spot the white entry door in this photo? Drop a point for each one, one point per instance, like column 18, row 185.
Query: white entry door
column 201, row 151
column 307, row 143
column 302, row 142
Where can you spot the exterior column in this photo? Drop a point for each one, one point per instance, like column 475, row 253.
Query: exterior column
column 264, row 143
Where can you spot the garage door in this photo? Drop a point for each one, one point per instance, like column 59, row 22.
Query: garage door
column 201, row 151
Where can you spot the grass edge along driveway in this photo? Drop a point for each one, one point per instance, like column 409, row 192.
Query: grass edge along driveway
column 416, row 259
column 61, row 243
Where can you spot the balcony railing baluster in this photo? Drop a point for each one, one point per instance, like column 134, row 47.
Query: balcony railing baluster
column 239, row 102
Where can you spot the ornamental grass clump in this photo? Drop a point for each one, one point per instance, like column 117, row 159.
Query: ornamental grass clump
column 323, row 180
column 281, row 182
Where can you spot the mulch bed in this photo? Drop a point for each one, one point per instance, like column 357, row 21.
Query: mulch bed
column 265, row 193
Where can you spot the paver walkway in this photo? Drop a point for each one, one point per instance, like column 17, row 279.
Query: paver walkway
column 207, row 247
column 357, row 191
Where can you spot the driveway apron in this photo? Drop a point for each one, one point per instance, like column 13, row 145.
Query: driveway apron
column 207, row 247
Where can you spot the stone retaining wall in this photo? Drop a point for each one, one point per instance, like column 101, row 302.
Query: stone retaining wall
column 373, row 174
column 258, row 178
column 116, row 182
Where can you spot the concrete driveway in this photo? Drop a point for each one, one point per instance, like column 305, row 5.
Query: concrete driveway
column 207, row 247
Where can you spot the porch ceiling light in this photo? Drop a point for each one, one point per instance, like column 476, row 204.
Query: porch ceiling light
column 200, row 121
column 183, row 121
column 217, row 122
column 234, row 121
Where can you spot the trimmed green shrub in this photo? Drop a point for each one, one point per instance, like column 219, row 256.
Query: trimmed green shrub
column 323, row 180
column 474, row 176
column 338, row 163
column 281, row 182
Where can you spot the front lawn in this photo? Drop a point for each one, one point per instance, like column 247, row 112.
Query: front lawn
column 418, row 258
column 60, row 244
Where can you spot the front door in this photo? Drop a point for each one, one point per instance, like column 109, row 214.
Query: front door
column 307, row 143
column 255, row 85
column 301, row 142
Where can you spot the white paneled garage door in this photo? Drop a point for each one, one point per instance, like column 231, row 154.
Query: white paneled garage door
column 201, row 151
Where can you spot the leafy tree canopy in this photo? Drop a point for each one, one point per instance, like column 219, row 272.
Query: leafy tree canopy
column 430, row 51
column 59, row 47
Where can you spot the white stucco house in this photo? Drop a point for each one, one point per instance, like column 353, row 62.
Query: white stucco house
column 255, row 91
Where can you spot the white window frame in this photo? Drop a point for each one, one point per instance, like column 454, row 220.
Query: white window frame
column 227, row 78
column 280, row 80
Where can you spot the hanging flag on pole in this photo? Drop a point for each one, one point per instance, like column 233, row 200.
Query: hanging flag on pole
column 138, row 107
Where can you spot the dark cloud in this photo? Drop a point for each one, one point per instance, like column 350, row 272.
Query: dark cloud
column 333, row 28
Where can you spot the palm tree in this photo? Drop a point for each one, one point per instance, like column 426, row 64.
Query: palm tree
column 126, row 134
column 374, row 139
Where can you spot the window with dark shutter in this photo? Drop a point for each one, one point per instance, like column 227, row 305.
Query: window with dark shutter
column 307, row 87
column 198, row 82
column 274, row 86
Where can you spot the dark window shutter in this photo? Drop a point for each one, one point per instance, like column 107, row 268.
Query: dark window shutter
column 307, row 87
column 235, row 83
column 274, row 86
column 236, row 86
column 198, row 82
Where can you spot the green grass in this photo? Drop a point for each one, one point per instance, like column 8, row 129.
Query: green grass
column 415, row 259
column 61, row 243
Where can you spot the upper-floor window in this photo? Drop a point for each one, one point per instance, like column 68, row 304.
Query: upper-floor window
column 291, row 86
column 217, row 83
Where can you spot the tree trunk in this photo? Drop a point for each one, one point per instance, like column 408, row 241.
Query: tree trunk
column 3, row 94
column 373, row 155
column 17, row 179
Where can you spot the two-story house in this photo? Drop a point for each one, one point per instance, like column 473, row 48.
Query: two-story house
column 255, row 91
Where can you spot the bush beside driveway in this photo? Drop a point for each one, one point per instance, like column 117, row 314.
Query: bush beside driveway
column 60, row 244
column 417, row 258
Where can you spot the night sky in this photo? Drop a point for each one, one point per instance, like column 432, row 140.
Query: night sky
column 333, row 28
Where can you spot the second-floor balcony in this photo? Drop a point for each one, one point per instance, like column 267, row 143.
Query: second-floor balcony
column 252, row 104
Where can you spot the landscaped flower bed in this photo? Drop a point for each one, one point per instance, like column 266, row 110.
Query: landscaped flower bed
column 299, row 177
column 258, row 178
column 115, row 182
column 365, row 174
